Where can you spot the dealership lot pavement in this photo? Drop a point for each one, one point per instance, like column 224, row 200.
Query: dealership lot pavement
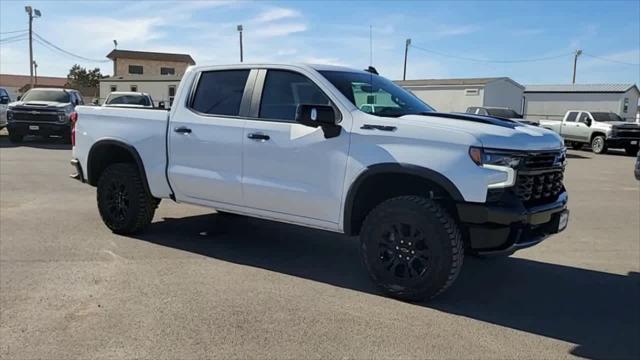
column 200, row 285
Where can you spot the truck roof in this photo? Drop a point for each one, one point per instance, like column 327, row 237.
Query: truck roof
column 317, row 67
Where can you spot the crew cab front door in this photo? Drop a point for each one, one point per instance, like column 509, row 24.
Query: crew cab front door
column 289, row 168
column 206, row 136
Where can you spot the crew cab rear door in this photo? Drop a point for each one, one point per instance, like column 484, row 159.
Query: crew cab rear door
column 289, row 168
column 205, row 138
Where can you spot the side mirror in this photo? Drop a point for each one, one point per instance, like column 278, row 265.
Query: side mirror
column 315, row 115
column 76, row 102
column 161, row 105
column 18, row 98
column 4, row 100
column 95, row 102
column 588, row 122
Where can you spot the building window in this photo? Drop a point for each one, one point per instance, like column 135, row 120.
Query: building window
column 167, row 71
column 113, row 88
column 135, row 69
column 625, row 106
column 134, row 88
column 172, row 94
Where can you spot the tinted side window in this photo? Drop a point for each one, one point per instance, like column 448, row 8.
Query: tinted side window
column 583, row 117
column 572, row 116
column 220, row 92
column 284, row 91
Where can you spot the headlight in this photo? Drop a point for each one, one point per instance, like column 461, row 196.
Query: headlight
column 482, row 157
column 502, row 163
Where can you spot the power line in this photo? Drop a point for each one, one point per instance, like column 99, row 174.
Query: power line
column 493, row 61
column 2, row 40
column 609, row 60
column 14, row 31
column 43, row 41
column 12, row 41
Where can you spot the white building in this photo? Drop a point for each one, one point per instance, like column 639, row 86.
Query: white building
column 157, row 74
column 456, row 95
column 553, row 101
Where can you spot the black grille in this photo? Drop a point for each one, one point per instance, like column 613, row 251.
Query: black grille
column 544, row 160
column 633, row 134
column 539, row 188
column 38, row 116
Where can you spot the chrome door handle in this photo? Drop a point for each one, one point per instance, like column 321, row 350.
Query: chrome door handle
column 259, row 137
column 182, row 130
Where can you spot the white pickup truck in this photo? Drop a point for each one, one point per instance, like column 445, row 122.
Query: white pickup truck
column 289, row 143
column 601, row 130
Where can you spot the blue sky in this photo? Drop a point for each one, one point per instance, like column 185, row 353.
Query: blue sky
column 337, row 32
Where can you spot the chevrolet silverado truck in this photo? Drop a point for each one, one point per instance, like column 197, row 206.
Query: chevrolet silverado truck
column 501, row 112
column 43, row 111
column 290, row 143
column 601, row 130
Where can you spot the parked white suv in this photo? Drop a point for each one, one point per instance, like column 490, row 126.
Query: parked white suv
column 290, row 143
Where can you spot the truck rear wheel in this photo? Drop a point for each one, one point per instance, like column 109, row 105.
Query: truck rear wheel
column 599, row 144
column 125, row 205
column 411, row 247
column 576, row 145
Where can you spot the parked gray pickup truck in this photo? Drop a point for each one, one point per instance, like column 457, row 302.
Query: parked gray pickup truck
column 602, row 130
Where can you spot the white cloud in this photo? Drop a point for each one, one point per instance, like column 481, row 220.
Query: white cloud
column 276, row 14
column 454, row 30
column 278, row 30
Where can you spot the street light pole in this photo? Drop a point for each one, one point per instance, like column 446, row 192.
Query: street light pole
column 406, row 52
column 575, row 64
column 240, row 32
column 32, row 13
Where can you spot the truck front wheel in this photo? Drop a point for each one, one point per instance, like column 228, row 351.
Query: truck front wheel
column 124, row 204
column 599, row 144
column 411, row 247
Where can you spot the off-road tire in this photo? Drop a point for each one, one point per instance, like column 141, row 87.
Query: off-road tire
column 631, row 150
column 15, row 138
column 597, row 147
column 441, row 236
column 140, row 205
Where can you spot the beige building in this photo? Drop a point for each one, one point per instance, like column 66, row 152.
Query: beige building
column 155, row 73
column 456, row 95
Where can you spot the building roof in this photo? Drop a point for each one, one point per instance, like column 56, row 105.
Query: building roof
column 146, row 55
column 581, row 88
column 141, row 78
column 18, row 81
column 461, row 81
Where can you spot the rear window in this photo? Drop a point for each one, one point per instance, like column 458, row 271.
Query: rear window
column 124, row 99
column 47, row 95
column 220, row 92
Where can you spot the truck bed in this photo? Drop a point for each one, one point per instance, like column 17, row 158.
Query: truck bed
column 145, row 130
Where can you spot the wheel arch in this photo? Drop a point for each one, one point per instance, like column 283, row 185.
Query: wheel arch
column 106, row 152
column 394, row 179
column 596, row 133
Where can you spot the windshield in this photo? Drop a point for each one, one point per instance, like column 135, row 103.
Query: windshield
column 606, row 116
column 504, row 113
column 376, row 95
column 128, row 99
column 46, row 95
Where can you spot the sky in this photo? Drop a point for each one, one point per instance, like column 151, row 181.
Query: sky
column 450, row 39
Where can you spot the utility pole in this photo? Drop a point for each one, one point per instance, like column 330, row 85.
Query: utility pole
column 406, row 52
column 35, row 71
column 575, row 64
column 32, row 13
column 240, row 32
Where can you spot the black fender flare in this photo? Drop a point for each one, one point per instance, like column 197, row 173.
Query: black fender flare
column 395, row 168
column 130, row 149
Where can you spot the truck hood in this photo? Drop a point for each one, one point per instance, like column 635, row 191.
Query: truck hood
column 38, row 104
column 490, row 131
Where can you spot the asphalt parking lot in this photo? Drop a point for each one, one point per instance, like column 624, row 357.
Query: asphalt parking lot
column 197, row 285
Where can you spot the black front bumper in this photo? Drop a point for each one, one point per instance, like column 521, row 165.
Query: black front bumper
column 620, row 142
column 44, row 128
column 507, row 225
